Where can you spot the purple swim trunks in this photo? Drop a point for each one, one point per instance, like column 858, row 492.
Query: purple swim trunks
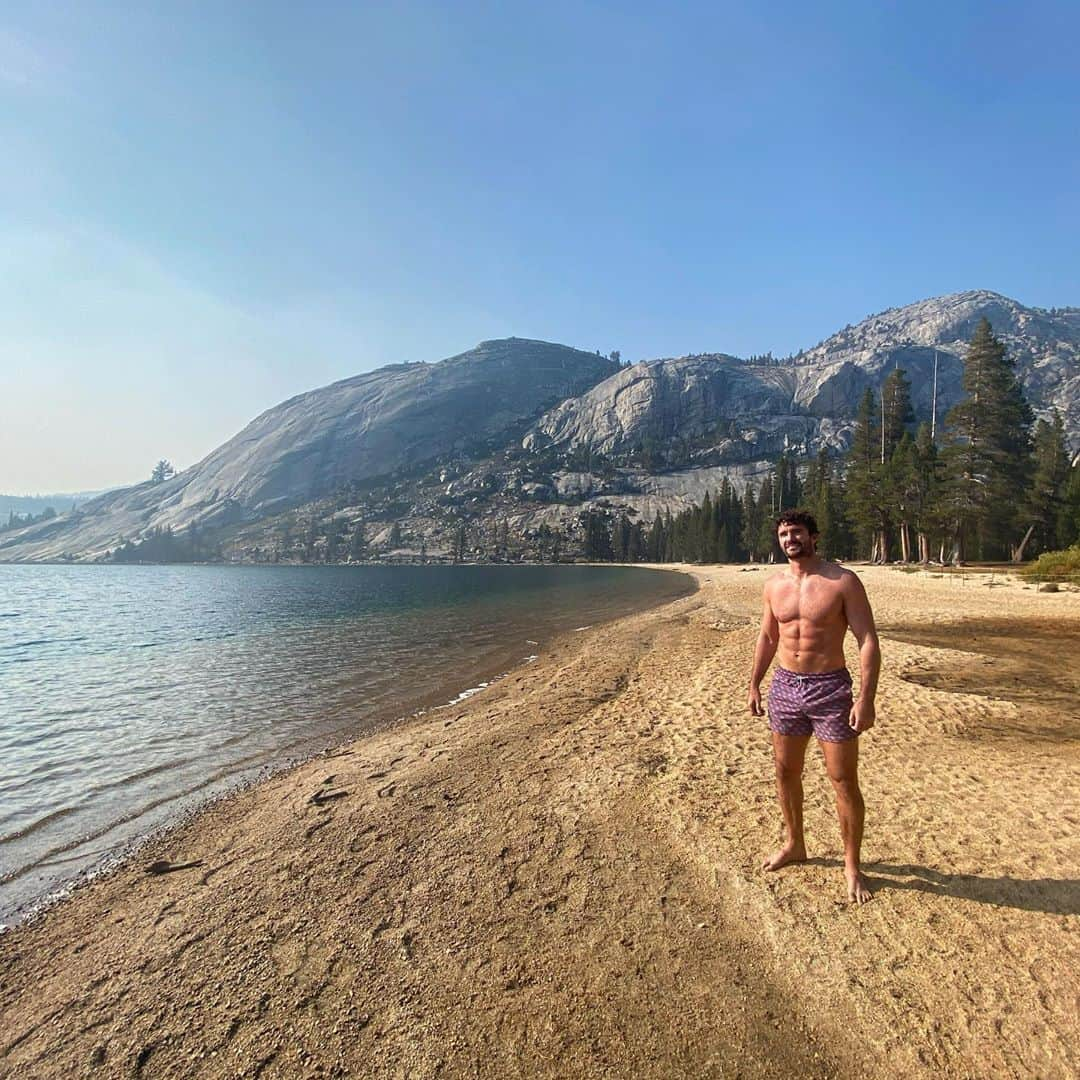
column 817, row 704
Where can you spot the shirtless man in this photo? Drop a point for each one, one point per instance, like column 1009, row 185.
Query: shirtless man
column 808, row 609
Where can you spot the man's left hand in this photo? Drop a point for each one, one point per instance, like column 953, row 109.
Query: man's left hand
column 862, row 715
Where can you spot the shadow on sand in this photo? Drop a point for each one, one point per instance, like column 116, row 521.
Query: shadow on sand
column 1053, row 896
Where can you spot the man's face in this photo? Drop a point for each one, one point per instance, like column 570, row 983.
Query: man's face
column 796, row 542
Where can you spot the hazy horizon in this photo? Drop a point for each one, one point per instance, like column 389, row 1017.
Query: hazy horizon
column 208, row 211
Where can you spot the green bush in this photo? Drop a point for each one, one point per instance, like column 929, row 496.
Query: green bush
column 1055, row 566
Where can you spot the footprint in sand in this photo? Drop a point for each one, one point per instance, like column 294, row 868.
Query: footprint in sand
column 319, row 798
column 164, row 866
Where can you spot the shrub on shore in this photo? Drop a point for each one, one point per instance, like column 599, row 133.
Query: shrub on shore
column 1055, row 566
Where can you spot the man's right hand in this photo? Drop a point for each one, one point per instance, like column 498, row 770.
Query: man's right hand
column 755, row 701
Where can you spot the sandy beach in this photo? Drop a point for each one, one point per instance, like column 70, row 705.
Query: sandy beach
column 559, row 877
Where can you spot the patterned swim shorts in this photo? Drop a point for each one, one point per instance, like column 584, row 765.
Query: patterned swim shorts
column 816, row 704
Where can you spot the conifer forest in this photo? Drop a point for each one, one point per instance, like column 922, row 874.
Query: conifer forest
column 989, row 483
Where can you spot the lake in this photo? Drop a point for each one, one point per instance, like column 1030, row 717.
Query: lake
column 130, row 694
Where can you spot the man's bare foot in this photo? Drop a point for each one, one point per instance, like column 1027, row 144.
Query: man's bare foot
column 858, row 889
column 789, row 853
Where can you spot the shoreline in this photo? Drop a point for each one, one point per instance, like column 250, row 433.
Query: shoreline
column 188, row 806
column 559, row 877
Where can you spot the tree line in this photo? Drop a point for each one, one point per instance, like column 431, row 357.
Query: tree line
column 162, row 545
column 20, row 521
column 996, row 486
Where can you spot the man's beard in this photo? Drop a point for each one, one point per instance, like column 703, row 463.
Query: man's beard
column 798, row 551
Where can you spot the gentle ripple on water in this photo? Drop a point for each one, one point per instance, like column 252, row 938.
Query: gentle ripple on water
column 130, row 693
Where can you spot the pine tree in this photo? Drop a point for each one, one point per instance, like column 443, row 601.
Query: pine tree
column 705, row 538
column 714, row 524
column 543, row 541
column 1045, row 502
column 597, row 536
column 162, row 471
column 901, row 482
column 333, row 538
column 786, row 488
column 358, row 542
column 821, row 496
column 733, row 523
column 751, row 523
column 896, row 412
column 724, row 551
column 765, row 540
column 654, row 546
column 862, row 487
column 927, row 508
column 988, row 454
column 792, row 486
column 620, row 539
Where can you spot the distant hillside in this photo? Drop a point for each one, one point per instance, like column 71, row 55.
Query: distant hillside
column 518, row 437
column 375, row 424
column 34, row 504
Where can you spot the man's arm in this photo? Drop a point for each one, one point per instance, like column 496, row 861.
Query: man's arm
column 861, row 620
column 764, row 651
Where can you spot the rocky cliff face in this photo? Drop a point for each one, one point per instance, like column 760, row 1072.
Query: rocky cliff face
column 1045, row 346
column 738, row 412
column 661, row 400
column 710, row 417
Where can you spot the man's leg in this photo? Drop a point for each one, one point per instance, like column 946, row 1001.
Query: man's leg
column 789, row 752
column 842, row 763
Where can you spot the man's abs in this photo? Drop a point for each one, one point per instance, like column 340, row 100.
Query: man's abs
column 809, row 661
column 807, row 645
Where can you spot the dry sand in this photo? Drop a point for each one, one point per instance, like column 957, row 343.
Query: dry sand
column 559, row 877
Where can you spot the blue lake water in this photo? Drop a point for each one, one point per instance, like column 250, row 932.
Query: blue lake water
column 131, row 693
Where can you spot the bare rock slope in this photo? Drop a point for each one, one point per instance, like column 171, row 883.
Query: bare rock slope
column 370, row 425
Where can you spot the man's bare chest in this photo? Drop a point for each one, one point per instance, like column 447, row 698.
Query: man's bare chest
column 817, row 603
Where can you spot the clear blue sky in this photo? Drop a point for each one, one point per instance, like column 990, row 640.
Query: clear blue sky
column 206, row 208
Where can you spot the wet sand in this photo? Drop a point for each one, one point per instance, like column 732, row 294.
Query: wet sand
column 559, row 877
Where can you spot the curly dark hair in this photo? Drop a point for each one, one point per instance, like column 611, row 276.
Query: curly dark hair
column 797, row 517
